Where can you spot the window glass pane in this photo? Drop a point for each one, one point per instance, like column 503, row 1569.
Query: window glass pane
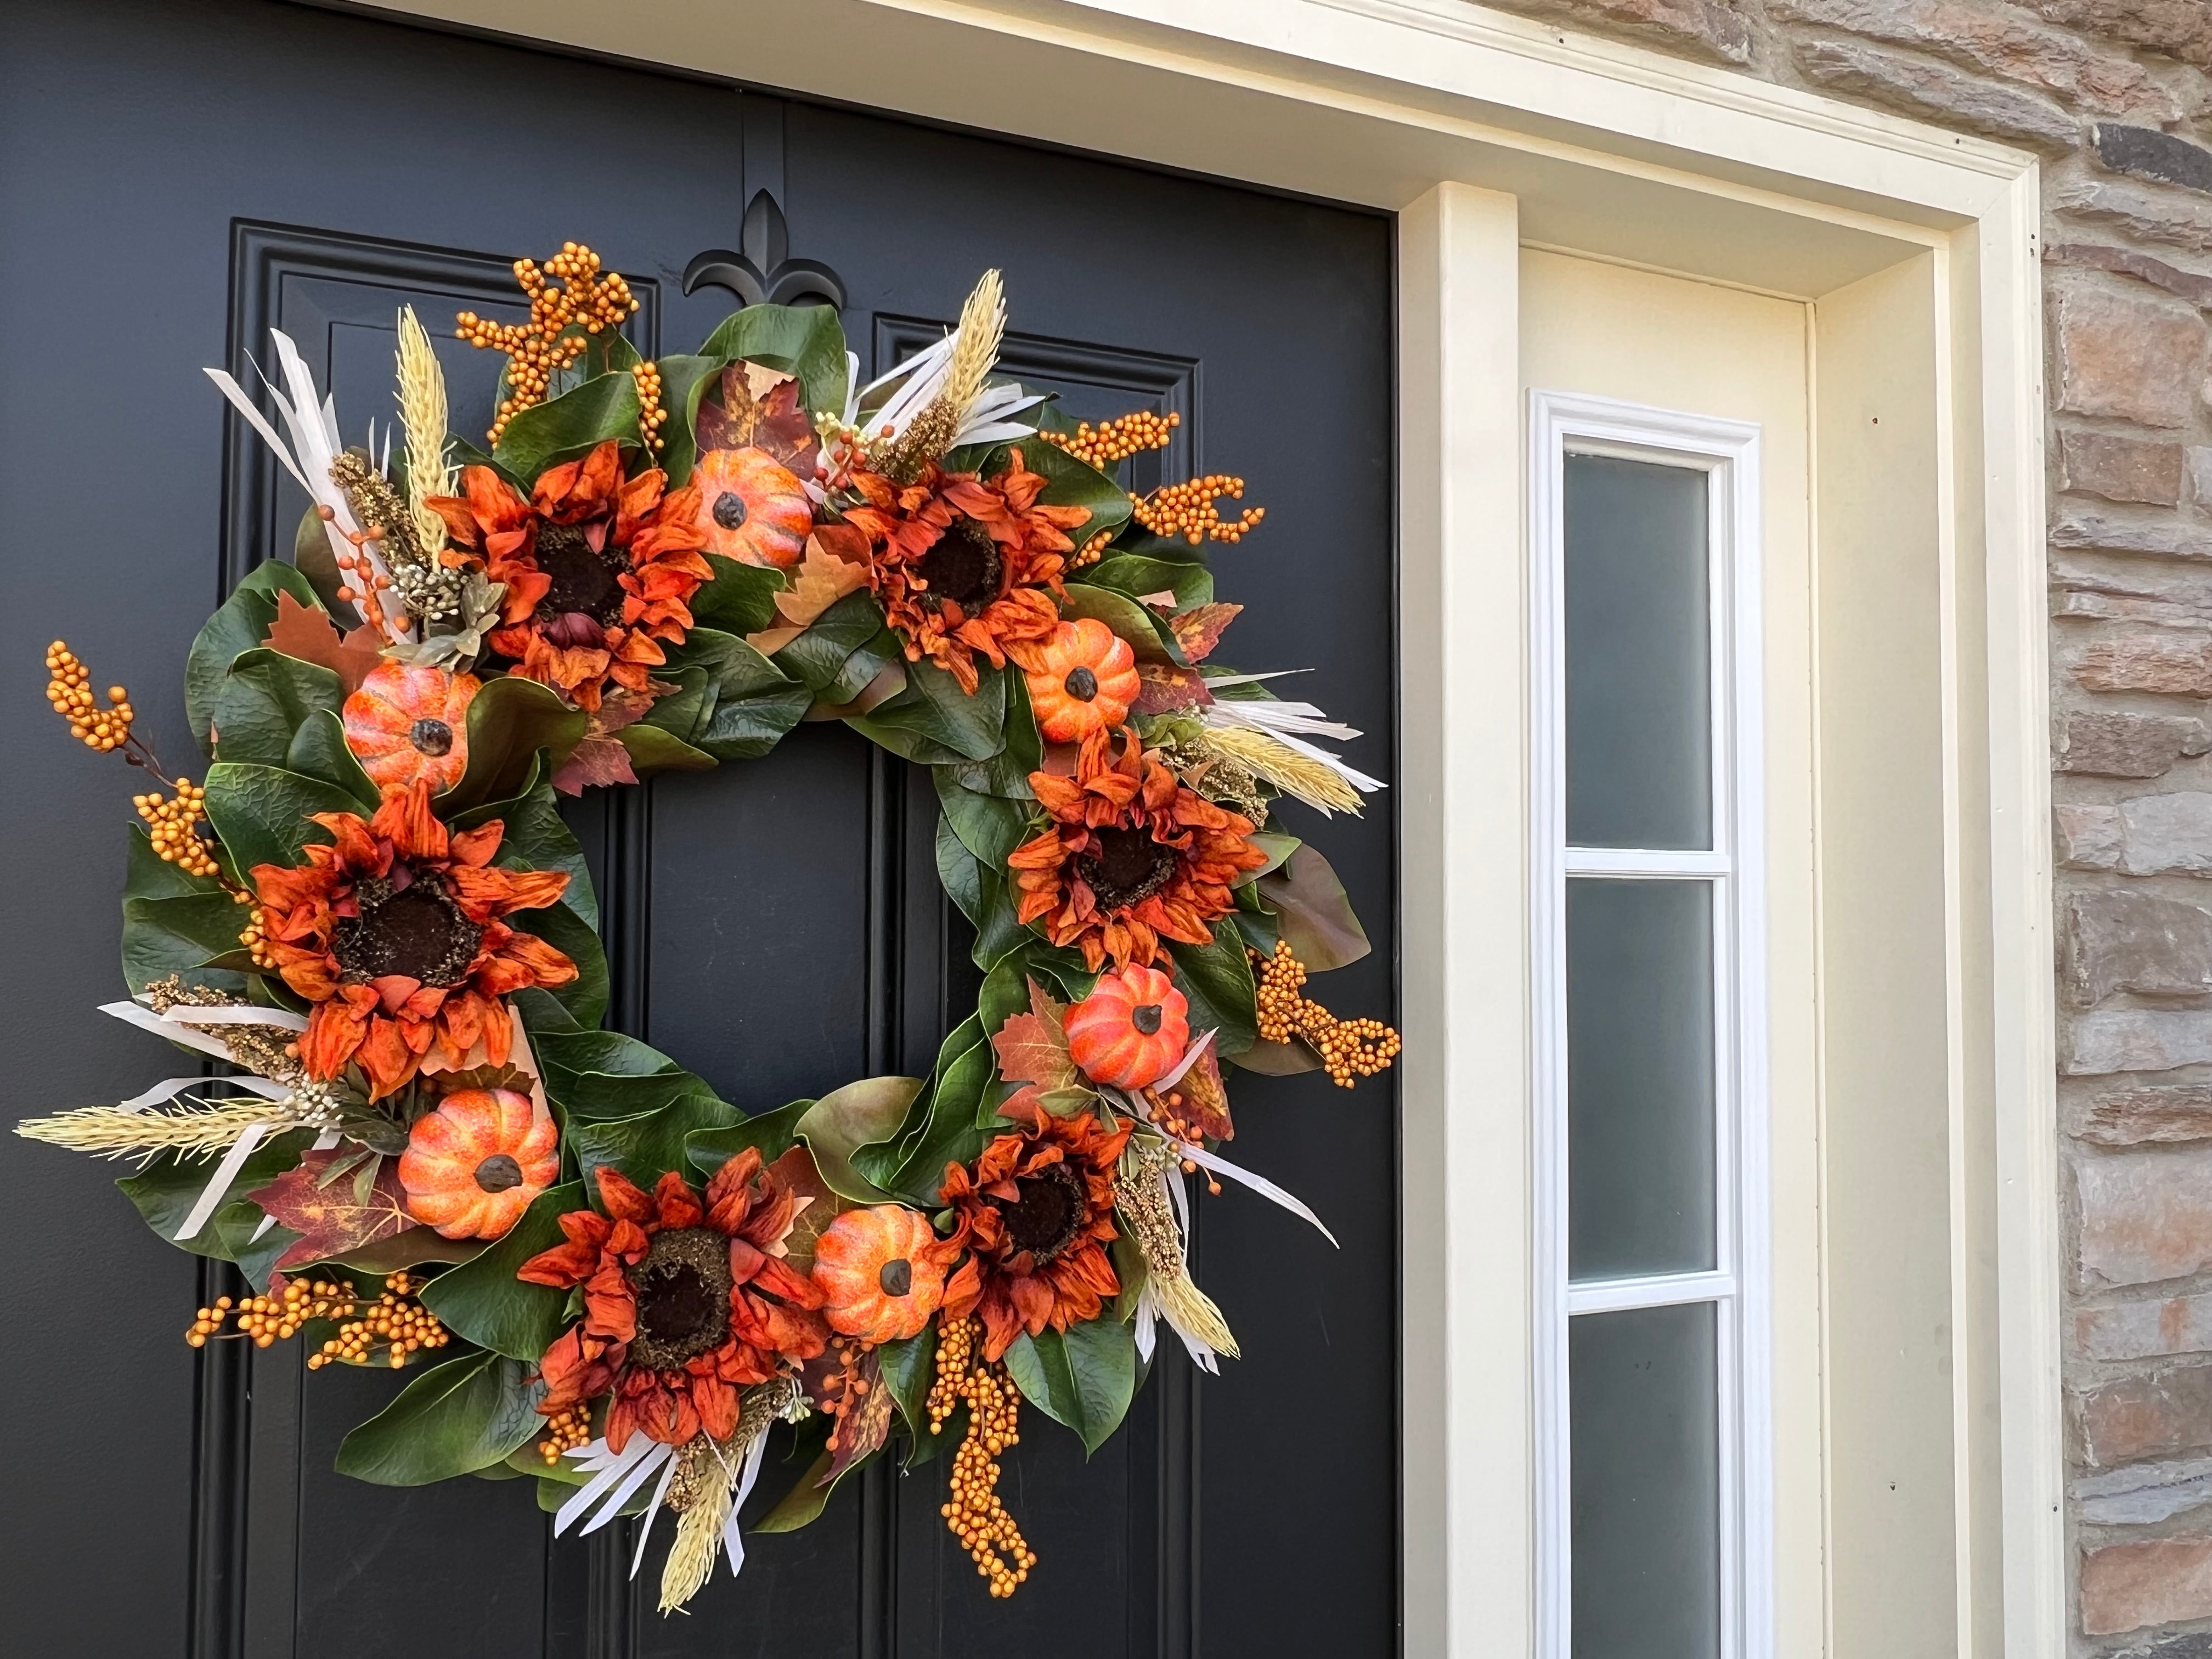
column 1639, row 703
column 1639, row 1076
column 1645, row 1405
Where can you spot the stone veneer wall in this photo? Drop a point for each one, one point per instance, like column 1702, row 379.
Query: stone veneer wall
column 2115, row 95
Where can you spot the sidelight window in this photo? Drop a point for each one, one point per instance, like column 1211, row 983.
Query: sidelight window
column 1651, row 1340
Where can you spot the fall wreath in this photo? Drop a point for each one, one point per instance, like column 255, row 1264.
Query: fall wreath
column 370, row 915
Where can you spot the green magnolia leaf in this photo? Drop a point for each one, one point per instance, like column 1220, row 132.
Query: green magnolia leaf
column 570, row 425
column 1216, row 978
column 1146, row 634
column 1007, row 774
column 313, row 554
column 319, row 750
column 1278, row 847
column 652, row 750
column 510, row 720
column 953, row 1129
column 684, row 377
column 266, row 698
column 165, row 1190
column 148, row 875
column 909, row 1366
column 741, row 598
column 756, row 702
column 817, row 656
column 807, row 341
column 770, row 1134
column 180, row 935
column 238, row 626
column 585, row 997
column 989, row 826
column 860, row 671
column 803, row 1504
column 262, row 811
column 483, row 1302
column 464, row 1415
column 844, row 1119
column 411, row 1247
column 597, row 1098
column 932, row 705
column 647, row 1147
column 1084, row 1378
column 1070, row 482
column 1315, row 917
column 960, row 871
column 607, row 1052
column 1137, row 575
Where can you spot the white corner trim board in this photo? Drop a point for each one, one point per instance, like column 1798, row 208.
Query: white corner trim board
column 1484, row 132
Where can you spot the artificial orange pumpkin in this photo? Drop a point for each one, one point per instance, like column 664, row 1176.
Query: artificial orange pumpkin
column 409, row 721
column 751, row 508
column 881, row 1272
column 1131, row 1030
column 1082, row 680
column 474, row 1163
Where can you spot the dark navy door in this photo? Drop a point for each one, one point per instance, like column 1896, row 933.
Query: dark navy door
column 174, row 181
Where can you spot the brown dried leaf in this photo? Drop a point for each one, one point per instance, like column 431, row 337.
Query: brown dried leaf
column 1199, row 629
column 759, row 409
column 594, row 761
column 332, row 1220
column 1032, row 1048
column 1206, row 1099
column 1168, row 687
column 818, row 1206
column 866, row 1422
column 307, row 633
column 823, row 577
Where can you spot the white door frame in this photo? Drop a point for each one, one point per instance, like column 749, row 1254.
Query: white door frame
column 1486, row 133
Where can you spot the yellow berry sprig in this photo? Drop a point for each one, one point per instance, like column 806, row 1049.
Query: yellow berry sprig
column 395, row 1321
column 173, row 821
column 651, row 415
column 535, row 350
column 173, row 826
column 1349, row 1049
column 1191, row 511
column 976, row 1514
column 69, row 689
column 568, row 1429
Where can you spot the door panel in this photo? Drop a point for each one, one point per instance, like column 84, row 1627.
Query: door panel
column 173, row 188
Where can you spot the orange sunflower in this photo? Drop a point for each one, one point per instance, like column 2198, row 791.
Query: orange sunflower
column 686, row 1301
column 965, row 564
column 393, row 933
column 1131, row 857
column 1036, row 1213
column 598, row 570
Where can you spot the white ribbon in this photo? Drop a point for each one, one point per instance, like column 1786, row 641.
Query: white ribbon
column 226, row 1172
column 1260, row 1184
column 733, row 1543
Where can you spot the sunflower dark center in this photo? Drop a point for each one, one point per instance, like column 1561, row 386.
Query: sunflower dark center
column 682, row 1291
column 584, row 582
column 1125, row 867
column 1145, row 1017
column 896, row 1277
column 414, row 931
column 729, row 509
column 1049, row 1214
column 432, row 738
column 498, row 1172
column 1081, row 684
column 962, row 566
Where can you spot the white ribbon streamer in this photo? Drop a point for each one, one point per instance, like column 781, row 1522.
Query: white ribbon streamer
column 608, row 1467
column 226, row 1172
column 1260, row 1184
column 1190, row 1057
column 733, row 1543
column 651, row 1510
column 184, row 1014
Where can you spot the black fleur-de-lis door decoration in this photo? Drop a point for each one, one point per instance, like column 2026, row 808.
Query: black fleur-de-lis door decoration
column 765, row 273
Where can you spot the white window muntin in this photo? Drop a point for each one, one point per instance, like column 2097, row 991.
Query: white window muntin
column 1733, row 867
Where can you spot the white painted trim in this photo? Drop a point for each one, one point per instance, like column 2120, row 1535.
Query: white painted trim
column 1561, row 424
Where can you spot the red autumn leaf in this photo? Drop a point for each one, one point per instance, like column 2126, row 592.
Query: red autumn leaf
column 334, row 1219
column 307, row 632
column 759, row 408
column 1199, row 629
column 1168, row 687
column 1033, row 1047
column 1205, row 1104
column 595, row 761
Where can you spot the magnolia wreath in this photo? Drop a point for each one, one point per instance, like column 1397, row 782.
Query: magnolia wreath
column 416, row 1144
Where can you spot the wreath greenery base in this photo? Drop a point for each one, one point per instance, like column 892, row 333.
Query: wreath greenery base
column 416, row 1141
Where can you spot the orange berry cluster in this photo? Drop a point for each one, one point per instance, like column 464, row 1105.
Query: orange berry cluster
column 254, row 936
column 845, row 1390
column 568, row 1429
column 361, row 584
column 395, row 1319
column 1112, row 442
column 69, row 688
column 1191, row 511
column 536, row 350
column 1091, row 551
column 171, row 827
column 1349, row 1049
column 1167, row 1111
column 265, row 1318
column 976, row 1515
column 651, row 415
